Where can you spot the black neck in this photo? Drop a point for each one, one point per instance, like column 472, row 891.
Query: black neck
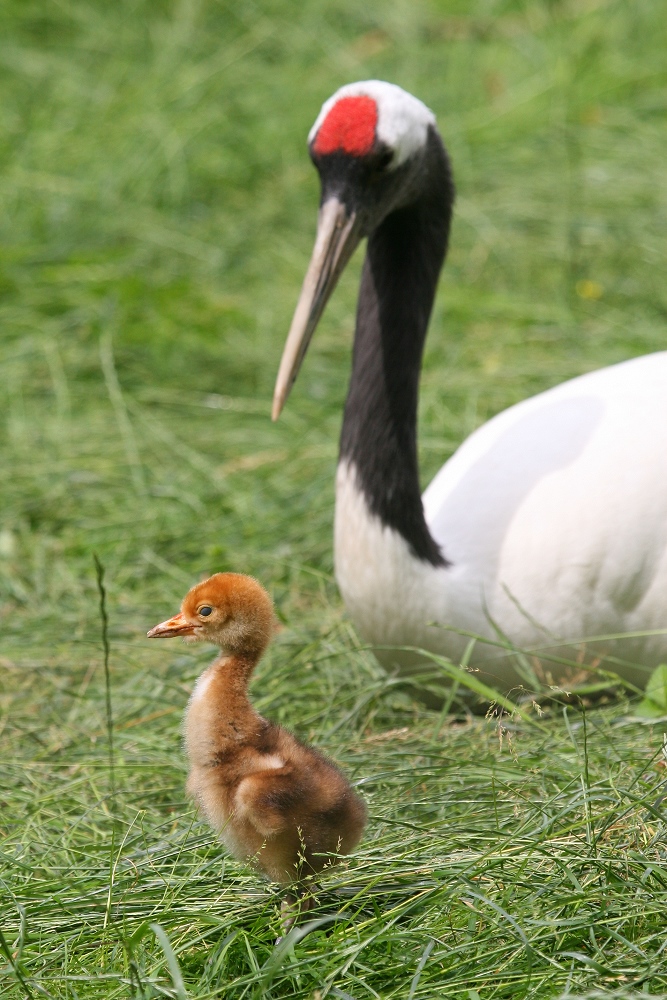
column 400, row 274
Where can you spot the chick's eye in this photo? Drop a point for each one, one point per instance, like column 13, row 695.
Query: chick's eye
column 205, row 611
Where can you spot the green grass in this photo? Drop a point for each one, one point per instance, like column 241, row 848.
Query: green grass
column 157, row 208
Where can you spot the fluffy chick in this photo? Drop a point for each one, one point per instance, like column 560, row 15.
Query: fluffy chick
column 275, row 802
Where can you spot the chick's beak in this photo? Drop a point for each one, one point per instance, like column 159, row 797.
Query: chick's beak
column 178, row 625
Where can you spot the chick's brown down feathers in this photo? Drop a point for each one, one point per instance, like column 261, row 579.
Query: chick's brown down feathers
column 274, row 801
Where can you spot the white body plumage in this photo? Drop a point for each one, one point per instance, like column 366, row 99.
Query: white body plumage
column 553, row 517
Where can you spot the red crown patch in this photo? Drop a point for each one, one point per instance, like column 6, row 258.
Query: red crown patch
column 349, row 127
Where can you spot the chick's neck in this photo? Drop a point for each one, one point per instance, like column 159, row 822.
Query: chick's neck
column 227, row 694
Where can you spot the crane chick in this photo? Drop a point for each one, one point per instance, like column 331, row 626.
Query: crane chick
column 275, row 802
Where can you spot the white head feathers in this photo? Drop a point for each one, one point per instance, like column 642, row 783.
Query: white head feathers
column 402, row 122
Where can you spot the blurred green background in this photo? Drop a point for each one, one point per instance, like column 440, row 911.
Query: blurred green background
column 157, row 209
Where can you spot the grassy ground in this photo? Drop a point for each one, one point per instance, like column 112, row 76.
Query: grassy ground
column 156, row 214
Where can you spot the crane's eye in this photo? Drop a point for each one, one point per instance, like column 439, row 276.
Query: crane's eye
column 384, row 159
column 205, row 611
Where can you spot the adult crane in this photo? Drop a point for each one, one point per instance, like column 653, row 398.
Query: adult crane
column 548, row 526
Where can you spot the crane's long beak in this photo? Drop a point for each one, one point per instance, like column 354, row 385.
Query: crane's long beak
column 338, row 235
column 178, row 625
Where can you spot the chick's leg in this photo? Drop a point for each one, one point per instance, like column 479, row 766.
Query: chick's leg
column 292, row 906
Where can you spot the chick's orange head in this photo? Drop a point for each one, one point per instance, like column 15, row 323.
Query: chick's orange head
column 230, row 610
